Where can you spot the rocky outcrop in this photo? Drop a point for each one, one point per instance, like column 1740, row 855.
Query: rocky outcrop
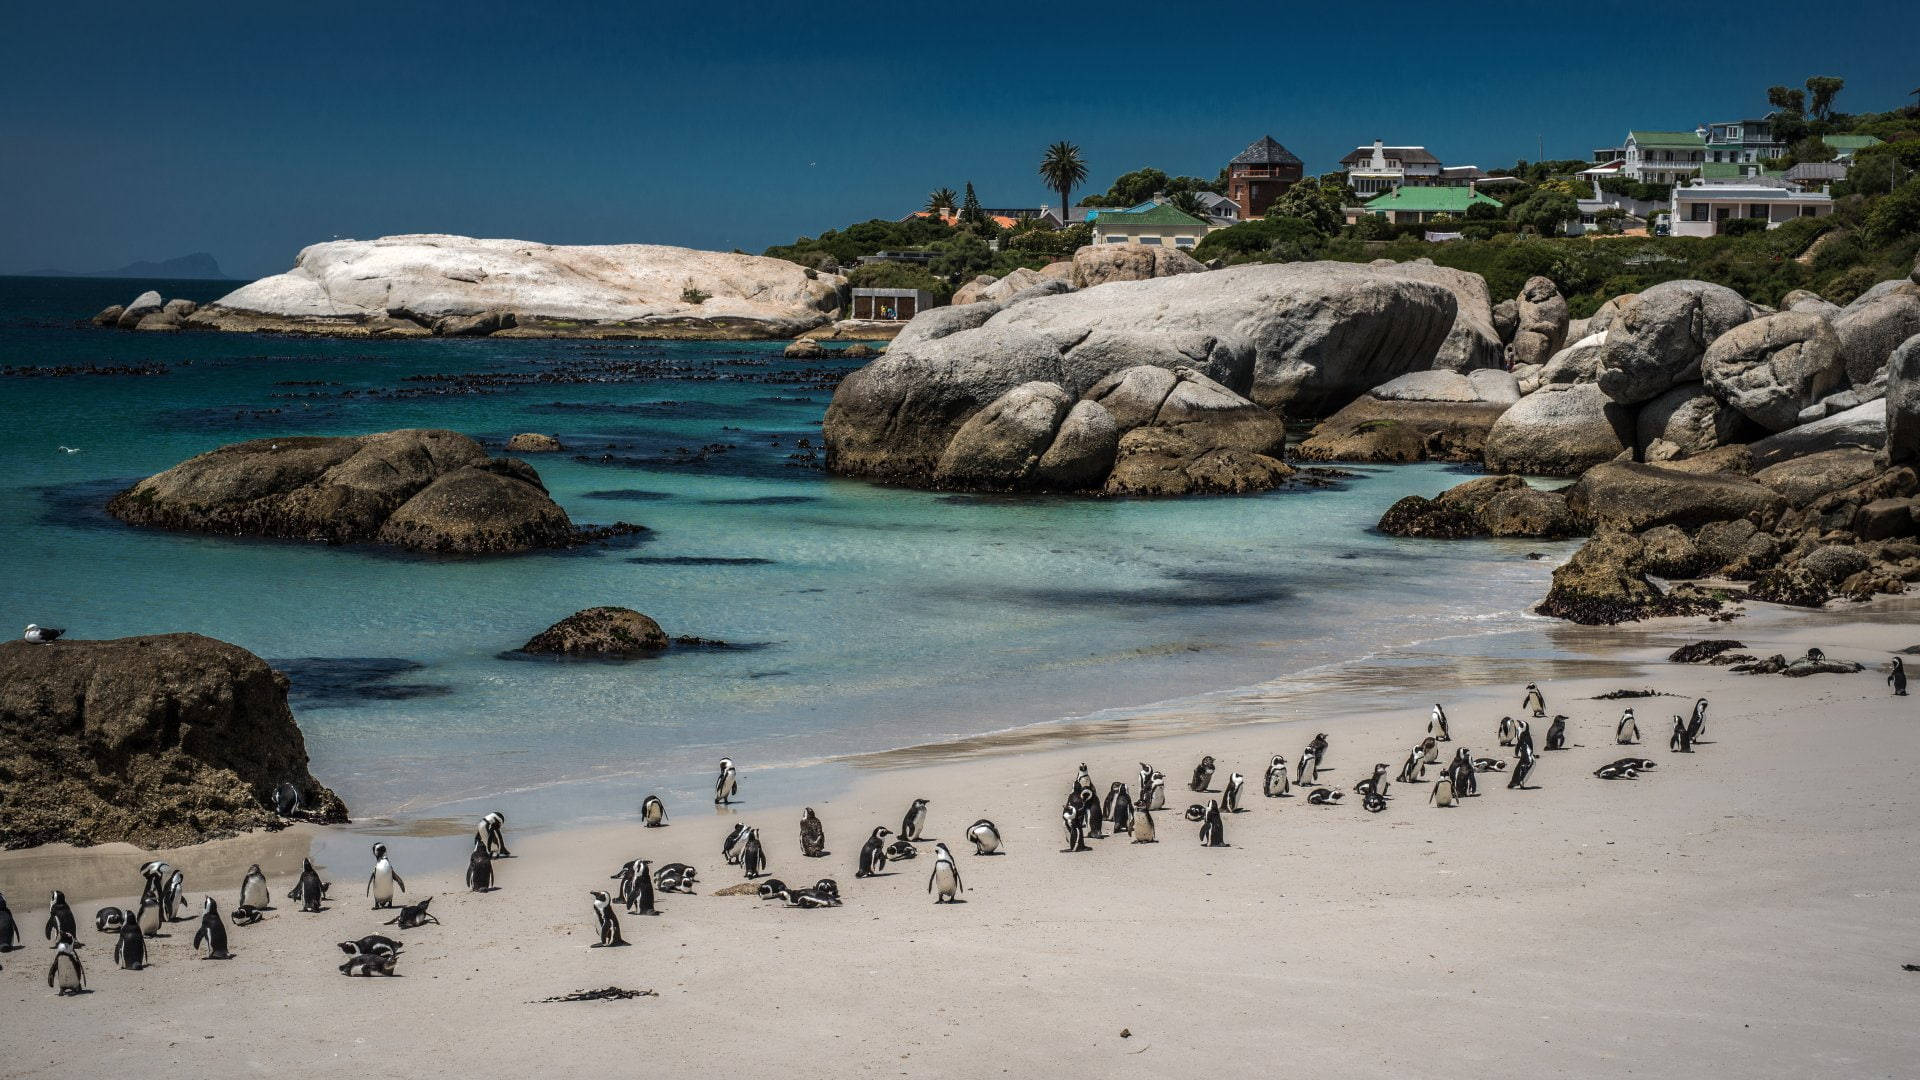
column 1875, row 324
column 1000, row 445
column 1802, row 480
column 421, row 489
column 410, row 286
column 1002, row 290
column 1559, row 431
column 147, row 303
column 1775, row 367
column 1685, row 422
column 1314, row 333
column 1634, row 497
column 1542, row 322
column 1437, row 415
column 1903, row 403
column 1605, row 582
column 1473, row 342
column 1097, row 264
column 157, row 741
column 612, row 632
column 533, row 442
column 1659, row 337
column 1862, row 428
column 1504, row 506
column 1577, row 363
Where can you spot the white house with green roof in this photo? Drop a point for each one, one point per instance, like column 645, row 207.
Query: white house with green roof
column 1663, row 157
column 1159, row 225
column 1705, row 209
column 1416, row 204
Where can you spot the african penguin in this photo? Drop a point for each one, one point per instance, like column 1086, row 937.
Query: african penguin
column 1308, row 769
column 1146, row 785
column 901, row 851
column 914, row 820
column 1557, row 734
column 1075, row 821
column 1213, row 832
column 1083, row 781
column 1534, row 701
column 985, row 836
column 730, row 847
column 1089, row 804
column 175, row 896
column 1627, row 731
column 873, row 854
column 607, row 920
column 1697, row 724
column 813, row 835
column 1143, row 826
column 944, row 882
column 479, row 868
column 753, row 858
column 1324, row 797
column 253, row 889
column 1373, row 802
column 384, row 879
column 1437, row 725
column 1897, row 678
column 1411, row 769
column 1230, row 797
column 412, row 915
column 1119, row 808
column 148, row 917
column 1507, row 731
column 653, row 812
column 67, row 976
column 9, row 931
column 675, row 877
column 246, row 916
column 130, row 949
column 636, row 887
column 310, row 889
column 368, row 965
column 1202, row 775
column 212, row 933
column 1522, row 767
column 1442, row 793
column 371, row 945
column 109, row 920
column 1276, row 785
column 726, row 784
column 1681, row 742
column 59, row 917
column 492, row 830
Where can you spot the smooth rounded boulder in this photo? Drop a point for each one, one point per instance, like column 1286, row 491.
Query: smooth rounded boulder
column 1775, row 367
column 1634, row 497
column 1659, row 337
column 1436, row 415
column 1541, row 330
column 1559, row 431
column 1903, row 402
column 613, row 632
column 1874, row 325
column 999, row 445
column 1684, row 422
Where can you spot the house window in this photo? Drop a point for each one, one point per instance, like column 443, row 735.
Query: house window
column 1111, row 239
column 1697, row 212
column 1154, row 240
column 1183, row 241
column 1757, row 210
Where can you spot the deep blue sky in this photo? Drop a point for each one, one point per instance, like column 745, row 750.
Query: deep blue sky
column 133, row 131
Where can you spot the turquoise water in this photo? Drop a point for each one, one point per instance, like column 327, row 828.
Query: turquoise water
column 870, row 617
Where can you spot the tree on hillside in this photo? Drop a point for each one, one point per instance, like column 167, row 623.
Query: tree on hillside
column 970, row 212
column 1310, row 203
column 1824, row 88
column 1787, row 99
column 1063, row 170
column 942, row 199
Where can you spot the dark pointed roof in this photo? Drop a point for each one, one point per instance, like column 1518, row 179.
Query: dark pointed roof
column 1265, row 152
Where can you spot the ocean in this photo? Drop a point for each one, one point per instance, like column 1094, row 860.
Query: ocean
column 862, row 618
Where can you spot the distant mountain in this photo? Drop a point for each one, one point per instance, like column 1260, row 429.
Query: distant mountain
column 198, row 265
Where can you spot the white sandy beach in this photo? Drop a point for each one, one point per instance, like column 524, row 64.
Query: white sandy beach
column 1741, row 911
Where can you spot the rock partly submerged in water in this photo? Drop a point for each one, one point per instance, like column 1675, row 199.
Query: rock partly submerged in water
column 422, row 489
column 1502, row 506
column 158, row 741
column 1605, row 582
column 600, row 632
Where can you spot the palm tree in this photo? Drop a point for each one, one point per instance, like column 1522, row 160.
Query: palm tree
column 941, row 200
column 1063, row 171
column 1188, row 203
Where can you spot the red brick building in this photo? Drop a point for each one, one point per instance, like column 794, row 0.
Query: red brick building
column 1260, row 174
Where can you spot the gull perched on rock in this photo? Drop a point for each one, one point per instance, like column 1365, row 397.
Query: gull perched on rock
column 41, row 635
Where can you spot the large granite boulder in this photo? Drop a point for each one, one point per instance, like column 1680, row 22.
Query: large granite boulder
column 1000, row 445
column 422, row 284
column 1875, row 324
column 1170, row 461
column 1602, row 318
column 1863, row 428
column 1473, row 342
column 1775, row 367
column 1319, row 334
column 1559, row 431
column 611, row 632
column 1098, row 264
column 424, row 489
column 1542, row 329
column 1903, row 402
column 1437, row 415
column 1083, row 450
column 157, row 741
column 1684, row 422
column 1659, row 337
column 534, row 442
column 1802, row 480
column 1635, row 497
column 147, row 303
column 1605, row 582
column 1577, row 363
column 1502, row 506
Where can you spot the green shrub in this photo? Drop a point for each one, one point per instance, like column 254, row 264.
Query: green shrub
column 1744, row 226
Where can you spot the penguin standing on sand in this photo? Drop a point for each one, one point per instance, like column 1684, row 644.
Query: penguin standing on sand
column 1681, row 741
column 1534, row 701
column 1089, row 806
column 608, row 922
column 491, row 830
column 944, row 882
column 1319, row 748
column 212, row 933
column 1442, row 793
column 1276, row 785
column 1308, row 770
column 1437, row 725
column 1230, row 798
column 148, row 917
column 1897, row 678
column 479, row 868
column 130, row 948
column 813, row 835
column 985, row 836
column 67, row 976
column 1523, row 739
column 914, row 820
column 1507, row 731
column 175, row 897
column 1374, row 785
column 1143, row 826
column 1156, row 793
column 9, row 931
column 1627, row 731
column 1522, row 766
column 1213, row 832
column 1202, row 774
column 1119, row 808
column 59, row 917
column 253, row 889
column 753, row 858
column 309, row 889
column 1461, row 773
column 1082, row 780
column 1557, row 734
column 1146, row 785
column 1075, row 820
column 636, row 887
column 383, row 879
column 873, row 854
column 726, row 785
column 1411, row 771
column 653, row 812
column 730, row 847
column 1697, row 724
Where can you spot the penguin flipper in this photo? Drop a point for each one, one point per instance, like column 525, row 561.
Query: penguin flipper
column 397, row 880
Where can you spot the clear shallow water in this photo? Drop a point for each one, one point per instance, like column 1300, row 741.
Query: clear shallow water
column 878, row 617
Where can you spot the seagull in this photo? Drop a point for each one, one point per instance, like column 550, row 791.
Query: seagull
column 69, row 449
column 41, row 635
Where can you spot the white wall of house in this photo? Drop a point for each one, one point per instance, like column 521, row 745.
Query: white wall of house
column 1700, row 211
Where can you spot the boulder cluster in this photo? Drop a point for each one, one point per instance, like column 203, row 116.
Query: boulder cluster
column 147, row 312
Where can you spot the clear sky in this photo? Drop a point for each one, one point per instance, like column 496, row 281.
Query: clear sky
column 133, row 131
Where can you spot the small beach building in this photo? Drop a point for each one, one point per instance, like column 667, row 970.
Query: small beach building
column 1415, row 204
column 891, row 305
column 1704, row 209
column 1160, row 225
column 1260, row 174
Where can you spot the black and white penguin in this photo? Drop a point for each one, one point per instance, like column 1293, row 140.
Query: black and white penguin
column 371, row 945
column 901, row 851
column 727, row 784
column 1375, row 784
column 675, row 877
column 1196, row 812
column 286, row 799
column 173, row 901
column 156, row 873
column 944, row 882
column 1324, row 796
column 730, row 847
column 1307, row 770
column 1318, row 748
column 914, row 820
column 1442, row 793
column 1202, row 775
column 1373, row 802
column 1613, row 770
column 1437, row 724
column 1897, row 678
column 1429, row 752
column 1461, row 773
column 109, row 920
column 770, row 888
column 1276, row 785
column 1557, row 734
column 1681, row 741
column 1638, row 764
column 1156, row 793
column 653, row 812
column 985, row 836
column 130, row 949
column 1075, row 820
column 1523, row 739
column 413, row 915
column 1488, row 764
column 607, row 921
column 479, row 868
column 873, row 854
column 1816, row 655
column 1413, row 767
column 9, row 930
column 41, row 635
column 253, row 890
column 1507, row 731
column 367, row 965
column 1230, row 796
column 1522, row 767
column 384, row 879
column 1143, row 831
column 67, row 975
column 827, row 888
column 635, row 879
column 212, row 934
column 1119, row 809
column 1213, row 832
column 59, row 917
column 813, row 835
column 1146, row 785
column 245, row 916
column 1088, row 802
column 1534, row 701
column 753, row 858
column 1627, row 731
column 492, row 831
column 148, row 917
column 309, row 890
column 1697, row 723
column 1083, row 780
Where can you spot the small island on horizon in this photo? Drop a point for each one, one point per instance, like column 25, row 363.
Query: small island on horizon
column 197, row 266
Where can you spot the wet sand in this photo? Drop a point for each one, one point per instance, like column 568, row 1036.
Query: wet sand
column 1743, row 910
